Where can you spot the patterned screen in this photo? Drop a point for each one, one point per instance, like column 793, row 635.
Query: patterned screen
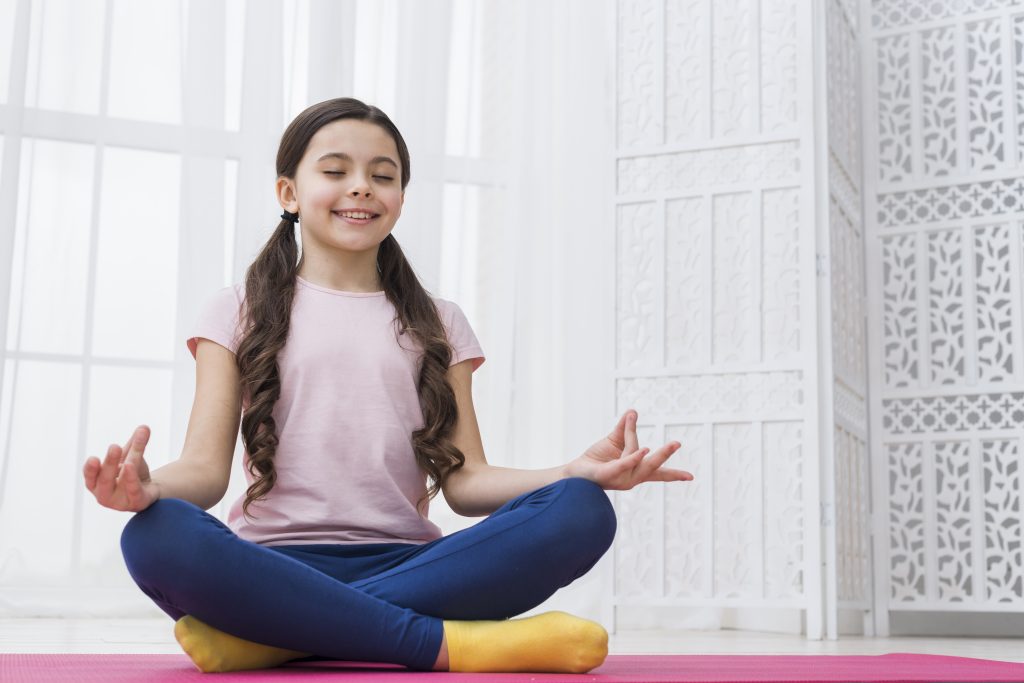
column 735, row 214
column 713, row 229
column 945, row 218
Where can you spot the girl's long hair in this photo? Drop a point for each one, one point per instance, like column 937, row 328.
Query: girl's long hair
column 270, row 289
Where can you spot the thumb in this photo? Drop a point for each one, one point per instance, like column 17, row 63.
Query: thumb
column 620, row 428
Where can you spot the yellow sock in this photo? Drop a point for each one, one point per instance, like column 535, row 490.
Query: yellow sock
column 548, row 642
column 215, row 651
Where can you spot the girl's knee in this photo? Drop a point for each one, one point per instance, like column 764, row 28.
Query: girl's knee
column 588, row 510
column 148, row 538
column 155, row 518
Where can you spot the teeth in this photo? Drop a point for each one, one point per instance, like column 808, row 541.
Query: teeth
column 356, row 215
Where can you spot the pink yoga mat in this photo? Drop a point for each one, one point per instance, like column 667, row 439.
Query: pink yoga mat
column 890, row 668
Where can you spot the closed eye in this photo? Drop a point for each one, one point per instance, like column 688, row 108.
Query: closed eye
column 383, row 177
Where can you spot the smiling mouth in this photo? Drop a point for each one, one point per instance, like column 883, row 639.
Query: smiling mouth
column 357, row 221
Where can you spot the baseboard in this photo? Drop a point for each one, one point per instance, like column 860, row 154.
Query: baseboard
column 768, row 620
column 70, row 602
column 971, row 624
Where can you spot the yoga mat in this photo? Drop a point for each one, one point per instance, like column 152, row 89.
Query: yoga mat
column 889, row 668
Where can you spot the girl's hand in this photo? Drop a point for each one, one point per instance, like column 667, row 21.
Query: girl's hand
column 122, row 481
column 617, row 462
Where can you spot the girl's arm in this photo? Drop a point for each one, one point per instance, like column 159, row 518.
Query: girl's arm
column 122, row 481
column 202, row 474
column 477, row 489
column 191, row 481
column 615, row 462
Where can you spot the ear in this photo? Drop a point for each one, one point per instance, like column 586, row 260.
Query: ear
column 285, row 188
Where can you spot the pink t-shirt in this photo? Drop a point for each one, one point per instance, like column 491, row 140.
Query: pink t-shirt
column 346, row 469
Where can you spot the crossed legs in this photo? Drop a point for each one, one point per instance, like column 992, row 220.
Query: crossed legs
column 298, row 598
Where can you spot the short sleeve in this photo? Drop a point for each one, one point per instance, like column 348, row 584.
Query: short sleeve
column 218, row 320
column 461, row 337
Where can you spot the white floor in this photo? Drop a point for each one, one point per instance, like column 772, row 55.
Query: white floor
column 155, row 636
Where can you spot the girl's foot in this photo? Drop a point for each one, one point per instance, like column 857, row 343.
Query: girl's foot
column 548, row 642
column 216, row 651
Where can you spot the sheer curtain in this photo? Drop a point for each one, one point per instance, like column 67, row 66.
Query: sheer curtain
column 138, row 142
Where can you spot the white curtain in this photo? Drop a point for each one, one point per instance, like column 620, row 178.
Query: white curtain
column 138, row 143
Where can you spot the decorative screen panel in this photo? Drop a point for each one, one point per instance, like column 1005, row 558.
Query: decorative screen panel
column 945, row 83
column 849, row 427
column 919, row 257
column 713, row 227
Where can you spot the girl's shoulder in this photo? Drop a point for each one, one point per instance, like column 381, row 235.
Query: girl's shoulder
column 447, row 308
column 225, row 297
column 441, row 301
column 232, row 296
column 452, row 316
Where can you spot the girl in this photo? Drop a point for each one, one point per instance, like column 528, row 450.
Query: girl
column 330, row 362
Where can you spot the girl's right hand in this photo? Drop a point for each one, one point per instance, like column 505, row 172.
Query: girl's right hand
column 121, row 481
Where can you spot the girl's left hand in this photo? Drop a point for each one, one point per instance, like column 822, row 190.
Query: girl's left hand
column 616, row 462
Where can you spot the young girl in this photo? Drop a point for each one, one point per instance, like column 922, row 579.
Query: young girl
column 353, row 388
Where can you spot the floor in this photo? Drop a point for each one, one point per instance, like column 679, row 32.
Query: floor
column 155, row 636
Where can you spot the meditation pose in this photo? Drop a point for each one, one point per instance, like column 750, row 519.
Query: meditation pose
column 352, row 387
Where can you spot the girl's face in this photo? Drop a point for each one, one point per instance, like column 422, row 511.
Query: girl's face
column 348, row 164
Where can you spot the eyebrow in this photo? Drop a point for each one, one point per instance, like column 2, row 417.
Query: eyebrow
column 345, row 157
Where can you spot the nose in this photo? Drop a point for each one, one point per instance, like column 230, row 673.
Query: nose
column 360, row 186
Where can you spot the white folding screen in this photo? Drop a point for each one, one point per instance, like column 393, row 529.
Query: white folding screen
column 847, row 511
column 717, row 321
column 822, row 301
column 944, row 199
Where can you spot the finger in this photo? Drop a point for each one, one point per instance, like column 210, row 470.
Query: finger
column 140, row 437
column 131, row 483
column 143, row 438
column 658, row 459
column 137, row 441
column 618, row 435
column 631, row 461
column 665, row 474
column 630, row 434
column 89, row 471
column 108, row 472
column 128, row 444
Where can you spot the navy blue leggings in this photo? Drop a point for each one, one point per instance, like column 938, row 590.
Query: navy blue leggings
column 373, row 602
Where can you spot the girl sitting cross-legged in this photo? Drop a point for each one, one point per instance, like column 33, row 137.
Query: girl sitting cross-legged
column 352, row 387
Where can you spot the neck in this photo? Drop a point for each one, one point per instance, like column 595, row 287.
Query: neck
column 360, row 276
